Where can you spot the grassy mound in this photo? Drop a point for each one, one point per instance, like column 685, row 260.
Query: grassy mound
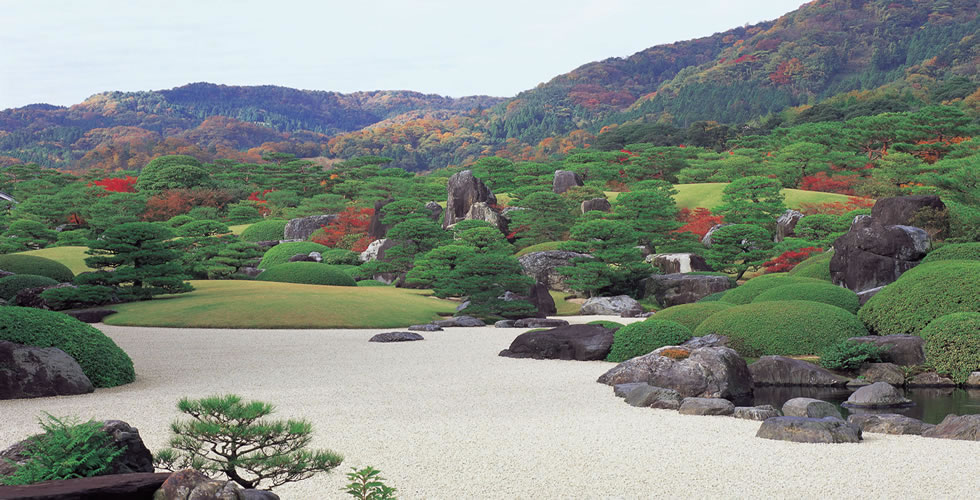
column 637, row 339
column 691, row 315
column 267, row 230
column 31, row 264
column 817, row 266
column 281, row 253
column 748, row 291
column 815, row 292
column 371, row 283
column 340, row 256
column 102, row 361
column 954, row 251
column 923, row 294
column 540, row 247
column 260, row 304
column 788, row 328
column 10, row 285
column 72, row 257
column 714, row 297
column 953, row 344
column 310, row 273
column 612, row 325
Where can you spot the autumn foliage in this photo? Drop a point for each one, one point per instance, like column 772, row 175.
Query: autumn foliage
column 698, row 221
column 173, row 202
column 840, row 184
column 836, row 207
column 348, row 224
column 789, row 259
column 118, row 184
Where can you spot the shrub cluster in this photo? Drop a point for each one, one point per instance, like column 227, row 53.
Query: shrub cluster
column 309, row 273
column 923, row 294
column 714, row 297
column 817, row 266
column 952, row 344
column 340, row 256
column 31, row 264
column 848, row 355
column 954, row 251
column 102, row 361
column 789, row 327
column 281, row 253
column 691, row 315
column 637, row 339
column 815, row 292
column 267, row 230
column 66, row 450
column 612, row 325
column 748, row 291
column 10, row 285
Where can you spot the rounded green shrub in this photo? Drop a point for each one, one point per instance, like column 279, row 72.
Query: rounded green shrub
column 714, row 297
column 267, row 230
column 748, row 291
column 816, row 292
column 102, row 361
column 817, row 266
column 637, row 339
column 340, row 256
column 921, row 295
column 10, row 285
column 179, row 220
column 612, row 325
column 370, row 283
column 848, row 355
column 309, row 273
column 30, row 264
column 954, row 251
column 788, row 328
column 952, row 344
column 281, row 253
column 691, row 315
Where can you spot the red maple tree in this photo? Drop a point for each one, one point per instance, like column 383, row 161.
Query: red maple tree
column 118, row 184
column 698, row 221
column 351, row 221
column 789, row 259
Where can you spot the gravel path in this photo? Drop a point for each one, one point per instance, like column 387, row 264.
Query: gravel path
column 448, row 418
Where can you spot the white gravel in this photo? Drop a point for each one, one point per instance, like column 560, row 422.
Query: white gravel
column 448, row 418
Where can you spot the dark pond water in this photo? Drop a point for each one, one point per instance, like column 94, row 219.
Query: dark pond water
column 931, row 404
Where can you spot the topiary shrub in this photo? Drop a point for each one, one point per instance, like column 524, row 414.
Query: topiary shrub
column 281, row 253
column 817, row 266
column 102, row 361
column 371, row 283
column 953, row 344
column 267, row 230
column 691, row 315
column 748, row 291
column 637, row 339
column 714, row 297
column 788, row 328
column 10, row 285
column 612, row 325
column 310, row 273
column 340, row 256
column 30, row 264
column 954, row 251
column 816, row 292
column 848, row 355
column 921, row 295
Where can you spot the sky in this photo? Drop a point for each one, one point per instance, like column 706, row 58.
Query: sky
column 61, row 52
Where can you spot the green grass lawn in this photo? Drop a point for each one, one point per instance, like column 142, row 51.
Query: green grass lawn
column 260, row 304
column 238, row 229
column 708, row 195
column 540, row 247
column 565, row 308
column 72, row 257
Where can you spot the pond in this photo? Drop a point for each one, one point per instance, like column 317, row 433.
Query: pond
column 931, row 404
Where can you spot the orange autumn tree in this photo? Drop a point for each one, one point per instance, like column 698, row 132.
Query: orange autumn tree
column 348, row 230
column 698, row 221
column 118, row 184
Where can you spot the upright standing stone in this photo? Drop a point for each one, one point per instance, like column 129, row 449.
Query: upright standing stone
column 464, row 190
column 565, row 180
column 786, row 223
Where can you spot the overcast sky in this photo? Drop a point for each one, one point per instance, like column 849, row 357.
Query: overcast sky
column 61, row 52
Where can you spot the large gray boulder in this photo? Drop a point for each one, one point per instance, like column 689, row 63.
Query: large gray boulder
column 543, row 267
column 675, row 289
column 966, row 427
column 303, row 227
column 871, row 254
column 189, row 484
column 810, row 408
column 376, row 250
column 435, row 210
column 648, row 396
column 600, row 204
column 780, row 370
column 571, row 342
column 809, row 430
column 706, row 406
column 904, row 350
column 619, row 305
column 901, row 210
column 877, row 395
column 565, row 180
column 34, row 372
column 785, row 225
column 759, row 413
column 973, row 380
column 672, row 263
column 930, row 379
column 708, row 372
column 484, row 212
column 888, row 423
column 396, row 337
column 464, row 190
column 375, row 228
column 889, row 373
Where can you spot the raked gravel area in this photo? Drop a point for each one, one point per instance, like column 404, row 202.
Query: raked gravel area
column 448, row 418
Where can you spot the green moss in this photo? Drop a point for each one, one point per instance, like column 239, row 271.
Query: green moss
column 29, row 264
column 310, row 273
column 102, row 361
column 817, row 266
column 540, row 247
column 10, row 285
column 815, row 292
column 281, row 253
column 954, row 251
column 923, row 294
column 637, row 339
column 267, row 230
column 612, row 325
column 789, row 328
column 691, row 315
column 952, row 344
column 748, row 291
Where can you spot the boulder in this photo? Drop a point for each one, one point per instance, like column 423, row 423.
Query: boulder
column 785, row 225
column 600, row 204
column 648, row 396
column 112, row 487
column 376, row 250
column 930, row 379
column 31, row 297
column 303, row 227
column 375, row 228
column 460, row 321
column 888, row 423
column 810, row 408
column 543, row 267
column 613, row 306
column 706, row 240
column 396, row 337
column 623, row 390
column 572, row 342
column 34, row 372
column 877, row 395
column 267, row 244
column 871, row 254
column 707, row 372
column 4, row 274
column 903, row 350
column 463, row 191
column 966, row 427
column 673, row 263
column 435, row 210
column 484, row 212
column 541, row 299
column 94, row 315
column 780, row 370
column 901, row 210
column 675, row 289
column 251, row 272
column 428, row 327
column 710, row 340
column 706, row 406
column 973, row 380
column 809, row 430
column 189, row 484
column 888, row 373
column 302, row 258
column 865, row 295
column 505, row 323
column 565, row 180
column 759, row 413
column 539, row 323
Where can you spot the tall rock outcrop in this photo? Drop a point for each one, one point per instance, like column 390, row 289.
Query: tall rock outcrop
column 465, row 190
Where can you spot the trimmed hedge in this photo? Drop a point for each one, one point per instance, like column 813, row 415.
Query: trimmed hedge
column 714, row 297
column 10, row 285
column 923, row 294
column 309, row 273
column 815, row 292
column 954, row 251
column 691, row 315
column 637, row 339
column 748, row 291
column 267, row 230
column 340, row 256
column 371, row 283
column 281, row 253
column 788, row 328
column 953, row 344
column 817, row 266
column 30, row 264
column 102, row 361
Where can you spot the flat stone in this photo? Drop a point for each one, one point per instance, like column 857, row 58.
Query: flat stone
column 571, row 342
column 889, row 373
column 877, row 395
column 428, row 327
column 460, row 321
column 504, row 323
column 888, row 423
column 539, row 323
column 706, row 406
column 930, row 379
column 780, row 370
column 759, row 413
column 809, row 430
column 965, row 427
column 709, row 340
column 621, row 390
column 396, row 337
column 648, row 396
column 810, row 408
